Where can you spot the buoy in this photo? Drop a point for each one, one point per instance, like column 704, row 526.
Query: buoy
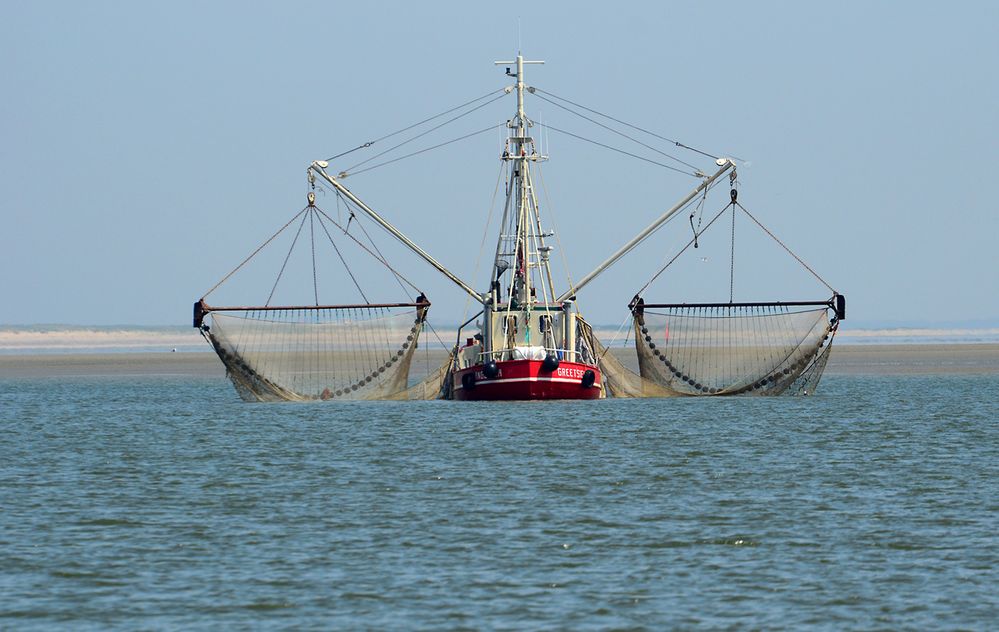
column 491, row 369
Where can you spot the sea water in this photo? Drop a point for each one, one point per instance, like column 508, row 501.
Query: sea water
column 168, row 503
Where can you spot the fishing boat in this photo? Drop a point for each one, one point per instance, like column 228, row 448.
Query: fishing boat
column 528, row 341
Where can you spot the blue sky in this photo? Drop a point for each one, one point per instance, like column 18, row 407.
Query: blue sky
column 148, row 147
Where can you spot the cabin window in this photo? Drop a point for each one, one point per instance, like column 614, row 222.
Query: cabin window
column 544, row 323
column 511, row 324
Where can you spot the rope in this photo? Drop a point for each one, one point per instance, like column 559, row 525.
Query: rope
column 420, row 135
column 415, row 153
column 619, row 133
column 315, row 273
column 436, row 335
column 283, row 265
column 699, row 211
column 731, row 270
column 620, row 151
column 796, row 257
column 254, row 253
column 367, row 250
column 373, row 245
column 406, row 129
column 342, row 260
column 485, row 234
column 617, row 333
column 682, row 250
column 552, row 218
column 635, row 127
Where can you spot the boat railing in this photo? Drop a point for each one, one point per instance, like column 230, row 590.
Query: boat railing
column 516, row 353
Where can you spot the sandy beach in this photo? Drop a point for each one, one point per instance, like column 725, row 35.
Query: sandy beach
column 914, row 359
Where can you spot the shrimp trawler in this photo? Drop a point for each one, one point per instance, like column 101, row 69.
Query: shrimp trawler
column 529, row 341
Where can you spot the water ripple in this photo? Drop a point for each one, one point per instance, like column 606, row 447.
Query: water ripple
column 163, row 503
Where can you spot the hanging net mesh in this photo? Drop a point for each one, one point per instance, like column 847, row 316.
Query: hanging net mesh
column 734, row 348
column 299, row 352
column 320, row 353
column 762, row 349
column 616, row 379
column 438, row 384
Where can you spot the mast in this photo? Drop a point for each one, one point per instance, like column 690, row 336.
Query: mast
column 520, row 153
column 519, row 192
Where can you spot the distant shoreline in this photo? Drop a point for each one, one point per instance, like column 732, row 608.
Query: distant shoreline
column 901, row 359
column 126, row 339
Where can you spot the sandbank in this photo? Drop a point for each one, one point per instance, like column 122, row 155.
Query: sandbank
column 902, row 359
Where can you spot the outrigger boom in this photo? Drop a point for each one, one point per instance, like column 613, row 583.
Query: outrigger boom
column 725, row 165
column 319, row 167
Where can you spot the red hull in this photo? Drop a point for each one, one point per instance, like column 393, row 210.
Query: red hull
column 527, row 379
